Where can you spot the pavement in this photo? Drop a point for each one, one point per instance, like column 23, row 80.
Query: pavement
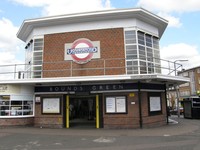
column 169, row 136
column 176, row 126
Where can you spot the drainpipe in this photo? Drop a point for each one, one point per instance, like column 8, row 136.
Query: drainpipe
column 140, row 104
column 167, row 109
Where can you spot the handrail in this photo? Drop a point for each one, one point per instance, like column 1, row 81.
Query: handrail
column 96, row 66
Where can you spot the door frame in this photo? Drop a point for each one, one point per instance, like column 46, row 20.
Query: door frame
column 66, row 111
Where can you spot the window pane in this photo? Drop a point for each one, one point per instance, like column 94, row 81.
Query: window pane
column 38, row 40
column 130, row 32
column 132, row 41
column 130, row 36
column 128, row 47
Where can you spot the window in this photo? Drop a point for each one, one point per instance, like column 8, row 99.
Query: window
column 155, row 103
column 184, row 93
column 34, row 58
column 37, row 57
column 148, row 40
column 185, row 74
column 116, row 104
column 142, row 49
column 196, row 103
column 131, row 52
column 198, row 70
column 130, row 37
column 155, row 43
column 16, row 105
column 184, row 85
column 28, row 59
column 143, row 67
column 132, row 67
column 140, row 38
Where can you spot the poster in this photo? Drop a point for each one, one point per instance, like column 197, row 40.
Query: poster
column 155, row 104
column 121, row 104
column 110, row 104
column 51, row 105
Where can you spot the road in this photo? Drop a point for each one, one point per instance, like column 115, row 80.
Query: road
column 182, row 136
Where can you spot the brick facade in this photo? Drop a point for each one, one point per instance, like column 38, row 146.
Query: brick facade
column 131, row 119
column 111, row 47
column 112, row 62
column 153, row 120
column 190, row 89
column 48, row 120
column 29, row 121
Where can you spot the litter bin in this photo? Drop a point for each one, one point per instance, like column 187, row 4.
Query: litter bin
column 191, row 108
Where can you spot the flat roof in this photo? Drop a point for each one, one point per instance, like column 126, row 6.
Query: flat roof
column 189, row 69
column 139, row 13
column 148, row 78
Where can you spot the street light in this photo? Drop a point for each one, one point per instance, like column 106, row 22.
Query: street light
column 177, row 87
column 180, row 65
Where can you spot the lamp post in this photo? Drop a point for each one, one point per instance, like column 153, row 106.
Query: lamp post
column 177, row 87
column 180, row 65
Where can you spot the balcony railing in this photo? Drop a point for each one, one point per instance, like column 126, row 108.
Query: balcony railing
column 114, row 66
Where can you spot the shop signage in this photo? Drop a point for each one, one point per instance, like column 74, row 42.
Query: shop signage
column 86, row 88
column 9, row 89
column 82, row 50
column 99, row 87
column 3, row 88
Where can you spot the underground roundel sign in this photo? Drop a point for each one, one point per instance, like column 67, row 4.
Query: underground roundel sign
column 82, row 51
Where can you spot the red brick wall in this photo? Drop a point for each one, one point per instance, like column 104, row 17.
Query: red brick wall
column 47, row 120
column 129, row 120
column 157, row 120
column 132, row 118
column 17, row 121
column 111, row 46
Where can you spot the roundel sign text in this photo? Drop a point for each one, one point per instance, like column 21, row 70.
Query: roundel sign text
column 82, row 51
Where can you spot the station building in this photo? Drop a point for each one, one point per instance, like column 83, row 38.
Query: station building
column 99, row 69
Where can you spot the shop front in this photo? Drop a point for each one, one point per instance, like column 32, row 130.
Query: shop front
column 122, row 105
column 16, row 105
column 125, row 101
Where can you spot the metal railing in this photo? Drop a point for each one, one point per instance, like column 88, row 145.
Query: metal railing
column 113, row 66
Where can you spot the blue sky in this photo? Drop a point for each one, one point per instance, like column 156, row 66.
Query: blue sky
column 181, row 39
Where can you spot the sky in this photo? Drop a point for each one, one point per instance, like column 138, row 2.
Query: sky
column 180, row 41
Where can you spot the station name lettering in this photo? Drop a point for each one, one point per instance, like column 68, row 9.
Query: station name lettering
column 85, row 88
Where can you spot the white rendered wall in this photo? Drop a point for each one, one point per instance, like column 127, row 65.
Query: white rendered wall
column 84, row 26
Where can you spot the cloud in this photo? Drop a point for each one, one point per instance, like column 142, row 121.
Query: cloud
column 8, row 39
column 173, row 21
column 53, row 7
column 35, row 3
column 7, row 67
column 9, row 46
column 167, row 8
column 182, row 51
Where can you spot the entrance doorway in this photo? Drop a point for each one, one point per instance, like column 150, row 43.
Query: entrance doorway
column 82, row 111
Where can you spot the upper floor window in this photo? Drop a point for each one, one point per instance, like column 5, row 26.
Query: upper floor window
column 198, row 70
column 142, row 52
column 34, row 58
